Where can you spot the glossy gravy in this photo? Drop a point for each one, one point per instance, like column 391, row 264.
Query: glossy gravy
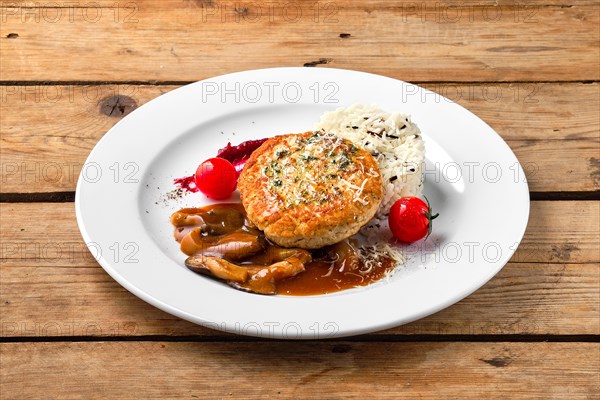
column 223, row 230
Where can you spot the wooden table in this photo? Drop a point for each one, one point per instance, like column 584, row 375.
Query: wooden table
column 70, row 70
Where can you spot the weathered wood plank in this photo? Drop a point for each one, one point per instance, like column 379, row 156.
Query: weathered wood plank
column 561, row 231
column 336, row 370
column 191, row 4
column 51, row 286
column 199, row 39
column 43, row 151
column 559, row 165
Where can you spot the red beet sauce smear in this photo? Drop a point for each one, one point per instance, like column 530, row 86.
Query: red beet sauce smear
column 187, row 183
column 237, row 155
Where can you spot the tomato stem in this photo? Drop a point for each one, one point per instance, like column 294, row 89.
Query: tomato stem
column 430, row 217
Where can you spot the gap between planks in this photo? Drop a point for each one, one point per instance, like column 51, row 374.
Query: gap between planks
column 345, row 370
column 182, row 83
column 69, row 197
column 367, row 338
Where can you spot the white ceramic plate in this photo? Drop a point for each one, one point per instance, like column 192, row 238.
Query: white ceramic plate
column 472, row 179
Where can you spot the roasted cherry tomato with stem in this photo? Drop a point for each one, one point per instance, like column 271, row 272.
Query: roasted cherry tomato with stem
column 411, row 219
column 216, row 178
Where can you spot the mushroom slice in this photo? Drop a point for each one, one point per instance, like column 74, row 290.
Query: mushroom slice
column 275, row 254
column 251, row 278
column 217, row 267
column 235, row 247
column 218, row 220
column 264, row 281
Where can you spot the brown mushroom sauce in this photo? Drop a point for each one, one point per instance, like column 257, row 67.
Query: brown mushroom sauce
column 223, row 244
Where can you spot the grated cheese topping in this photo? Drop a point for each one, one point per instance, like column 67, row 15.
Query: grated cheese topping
column 317, row 169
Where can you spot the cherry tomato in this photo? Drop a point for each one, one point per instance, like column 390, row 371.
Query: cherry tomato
column 410, row 219
column 216, row 178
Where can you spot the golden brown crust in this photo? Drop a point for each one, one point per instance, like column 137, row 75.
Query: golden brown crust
column 311, row 189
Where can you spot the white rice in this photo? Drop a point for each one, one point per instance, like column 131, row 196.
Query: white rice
column 397, row 145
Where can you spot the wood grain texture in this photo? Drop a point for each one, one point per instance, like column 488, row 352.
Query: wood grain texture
column 193, row 40
column 43, row 150
column 337, row 370
column 50, row 285
column 190, row 4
